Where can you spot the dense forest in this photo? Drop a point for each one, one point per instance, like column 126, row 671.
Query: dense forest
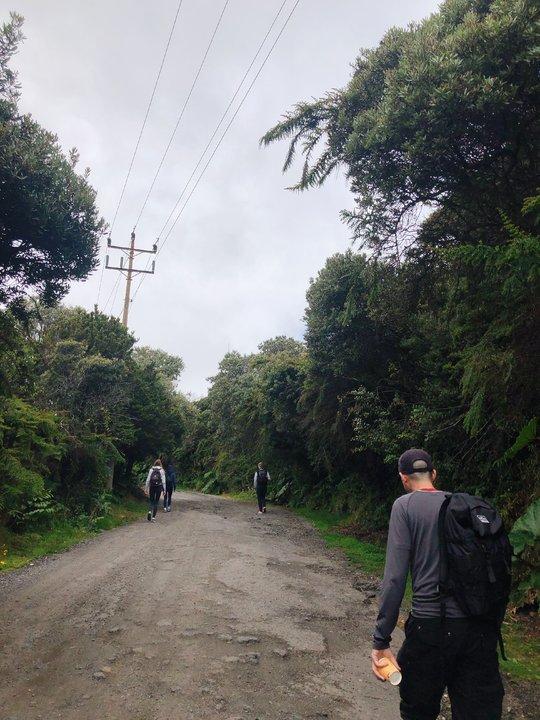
column 80, row 406
column 426, row 332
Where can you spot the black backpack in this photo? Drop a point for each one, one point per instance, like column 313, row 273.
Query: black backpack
column 476, row 556
column 262, row 476
column 155, row 478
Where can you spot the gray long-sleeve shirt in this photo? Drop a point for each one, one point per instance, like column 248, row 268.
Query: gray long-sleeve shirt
column 413, row 544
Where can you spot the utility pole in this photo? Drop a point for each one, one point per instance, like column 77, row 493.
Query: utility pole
column 131, row 251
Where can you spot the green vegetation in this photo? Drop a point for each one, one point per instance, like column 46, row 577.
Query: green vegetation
column 82, row 411
column 522, row 643
column 525, row 539
column 18, row 549
column 49, row 222
column 369, row 556
column 79, row 415
column 431, row 339
column 429, row 334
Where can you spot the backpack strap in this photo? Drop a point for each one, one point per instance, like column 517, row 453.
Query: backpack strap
column 443, row 561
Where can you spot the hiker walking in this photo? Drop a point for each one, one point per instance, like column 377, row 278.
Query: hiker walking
column 170, row 487
column 155, row 484
column 460, row 581
column 260, row 483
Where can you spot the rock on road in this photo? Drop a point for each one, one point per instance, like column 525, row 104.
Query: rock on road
column 211, row 612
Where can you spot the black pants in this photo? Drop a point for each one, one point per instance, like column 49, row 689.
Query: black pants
column 261, row 494
column 458, row 654
column 168, row 495
column 154, row 495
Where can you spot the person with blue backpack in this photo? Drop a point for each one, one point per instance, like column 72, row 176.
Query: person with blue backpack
column 458, row 554
column 170, row 486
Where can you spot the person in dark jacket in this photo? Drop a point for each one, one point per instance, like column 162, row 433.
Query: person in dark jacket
column 260, row 483
column 170, row 487
column 455, row 652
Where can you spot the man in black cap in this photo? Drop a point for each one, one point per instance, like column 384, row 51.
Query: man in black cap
column 454, row 652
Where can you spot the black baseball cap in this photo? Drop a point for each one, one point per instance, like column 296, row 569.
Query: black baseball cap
column 415, row 460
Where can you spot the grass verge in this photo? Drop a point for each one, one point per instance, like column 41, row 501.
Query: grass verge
column 521, row 636
column 242, row 496
column 19, row 549
column 369, row 556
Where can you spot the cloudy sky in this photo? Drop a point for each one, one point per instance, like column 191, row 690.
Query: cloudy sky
column 235, row 269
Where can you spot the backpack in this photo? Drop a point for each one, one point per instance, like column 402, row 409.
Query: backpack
column 262, row 476
column 475, row 558
column 155, row 478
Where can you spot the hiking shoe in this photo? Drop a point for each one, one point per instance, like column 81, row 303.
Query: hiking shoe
column 153, row 519
column 264, row 509
column 260, row 512
column 149, row 516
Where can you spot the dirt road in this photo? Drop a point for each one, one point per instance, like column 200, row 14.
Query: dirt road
column 210, row 612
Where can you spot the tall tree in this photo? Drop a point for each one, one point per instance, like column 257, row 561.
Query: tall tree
column 441, row 119
column 49, row 222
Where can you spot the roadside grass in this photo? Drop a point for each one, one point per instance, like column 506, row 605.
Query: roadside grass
column 244, row 496
column 521, row 636
column 19, row 549
column 522, row 644
column 369, row 556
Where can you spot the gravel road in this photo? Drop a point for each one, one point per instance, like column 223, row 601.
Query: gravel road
column 211, row 612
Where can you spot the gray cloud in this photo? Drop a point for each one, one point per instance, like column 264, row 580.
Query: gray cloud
column 235, row 270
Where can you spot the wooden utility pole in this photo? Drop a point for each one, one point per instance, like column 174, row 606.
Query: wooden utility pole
column 131, row 251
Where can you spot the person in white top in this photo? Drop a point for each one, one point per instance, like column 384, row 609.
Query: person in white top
column 155, row 484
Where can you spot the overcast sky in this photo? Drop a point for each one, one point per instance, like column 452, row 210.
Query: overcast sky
column 234, row 271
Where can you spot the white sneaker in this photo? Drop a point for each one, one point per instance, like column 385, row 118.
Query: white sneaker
column 153, row 519
column 260, row 512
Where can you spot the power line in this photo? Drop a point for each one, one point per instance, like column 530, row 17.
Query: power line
column 114, row 298
column 114, row 290
column 147, row 112
column 222, row 137
column 224, row 115
column 182, row 111
column 141, row 131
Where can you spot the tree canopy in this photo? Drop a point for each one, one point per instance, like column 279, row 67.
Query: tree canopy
column 429, row 337
column 49, row 222
column 440, row 120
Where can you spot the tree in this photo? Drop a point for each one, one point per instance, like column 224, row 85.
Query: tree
column 168, row 367
column 441, row 118
column 49, row 223
column 31, row 447
column 282, row 344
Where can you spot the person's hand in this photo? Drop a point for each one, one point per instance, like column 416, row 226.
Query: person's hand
column 380, row 658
